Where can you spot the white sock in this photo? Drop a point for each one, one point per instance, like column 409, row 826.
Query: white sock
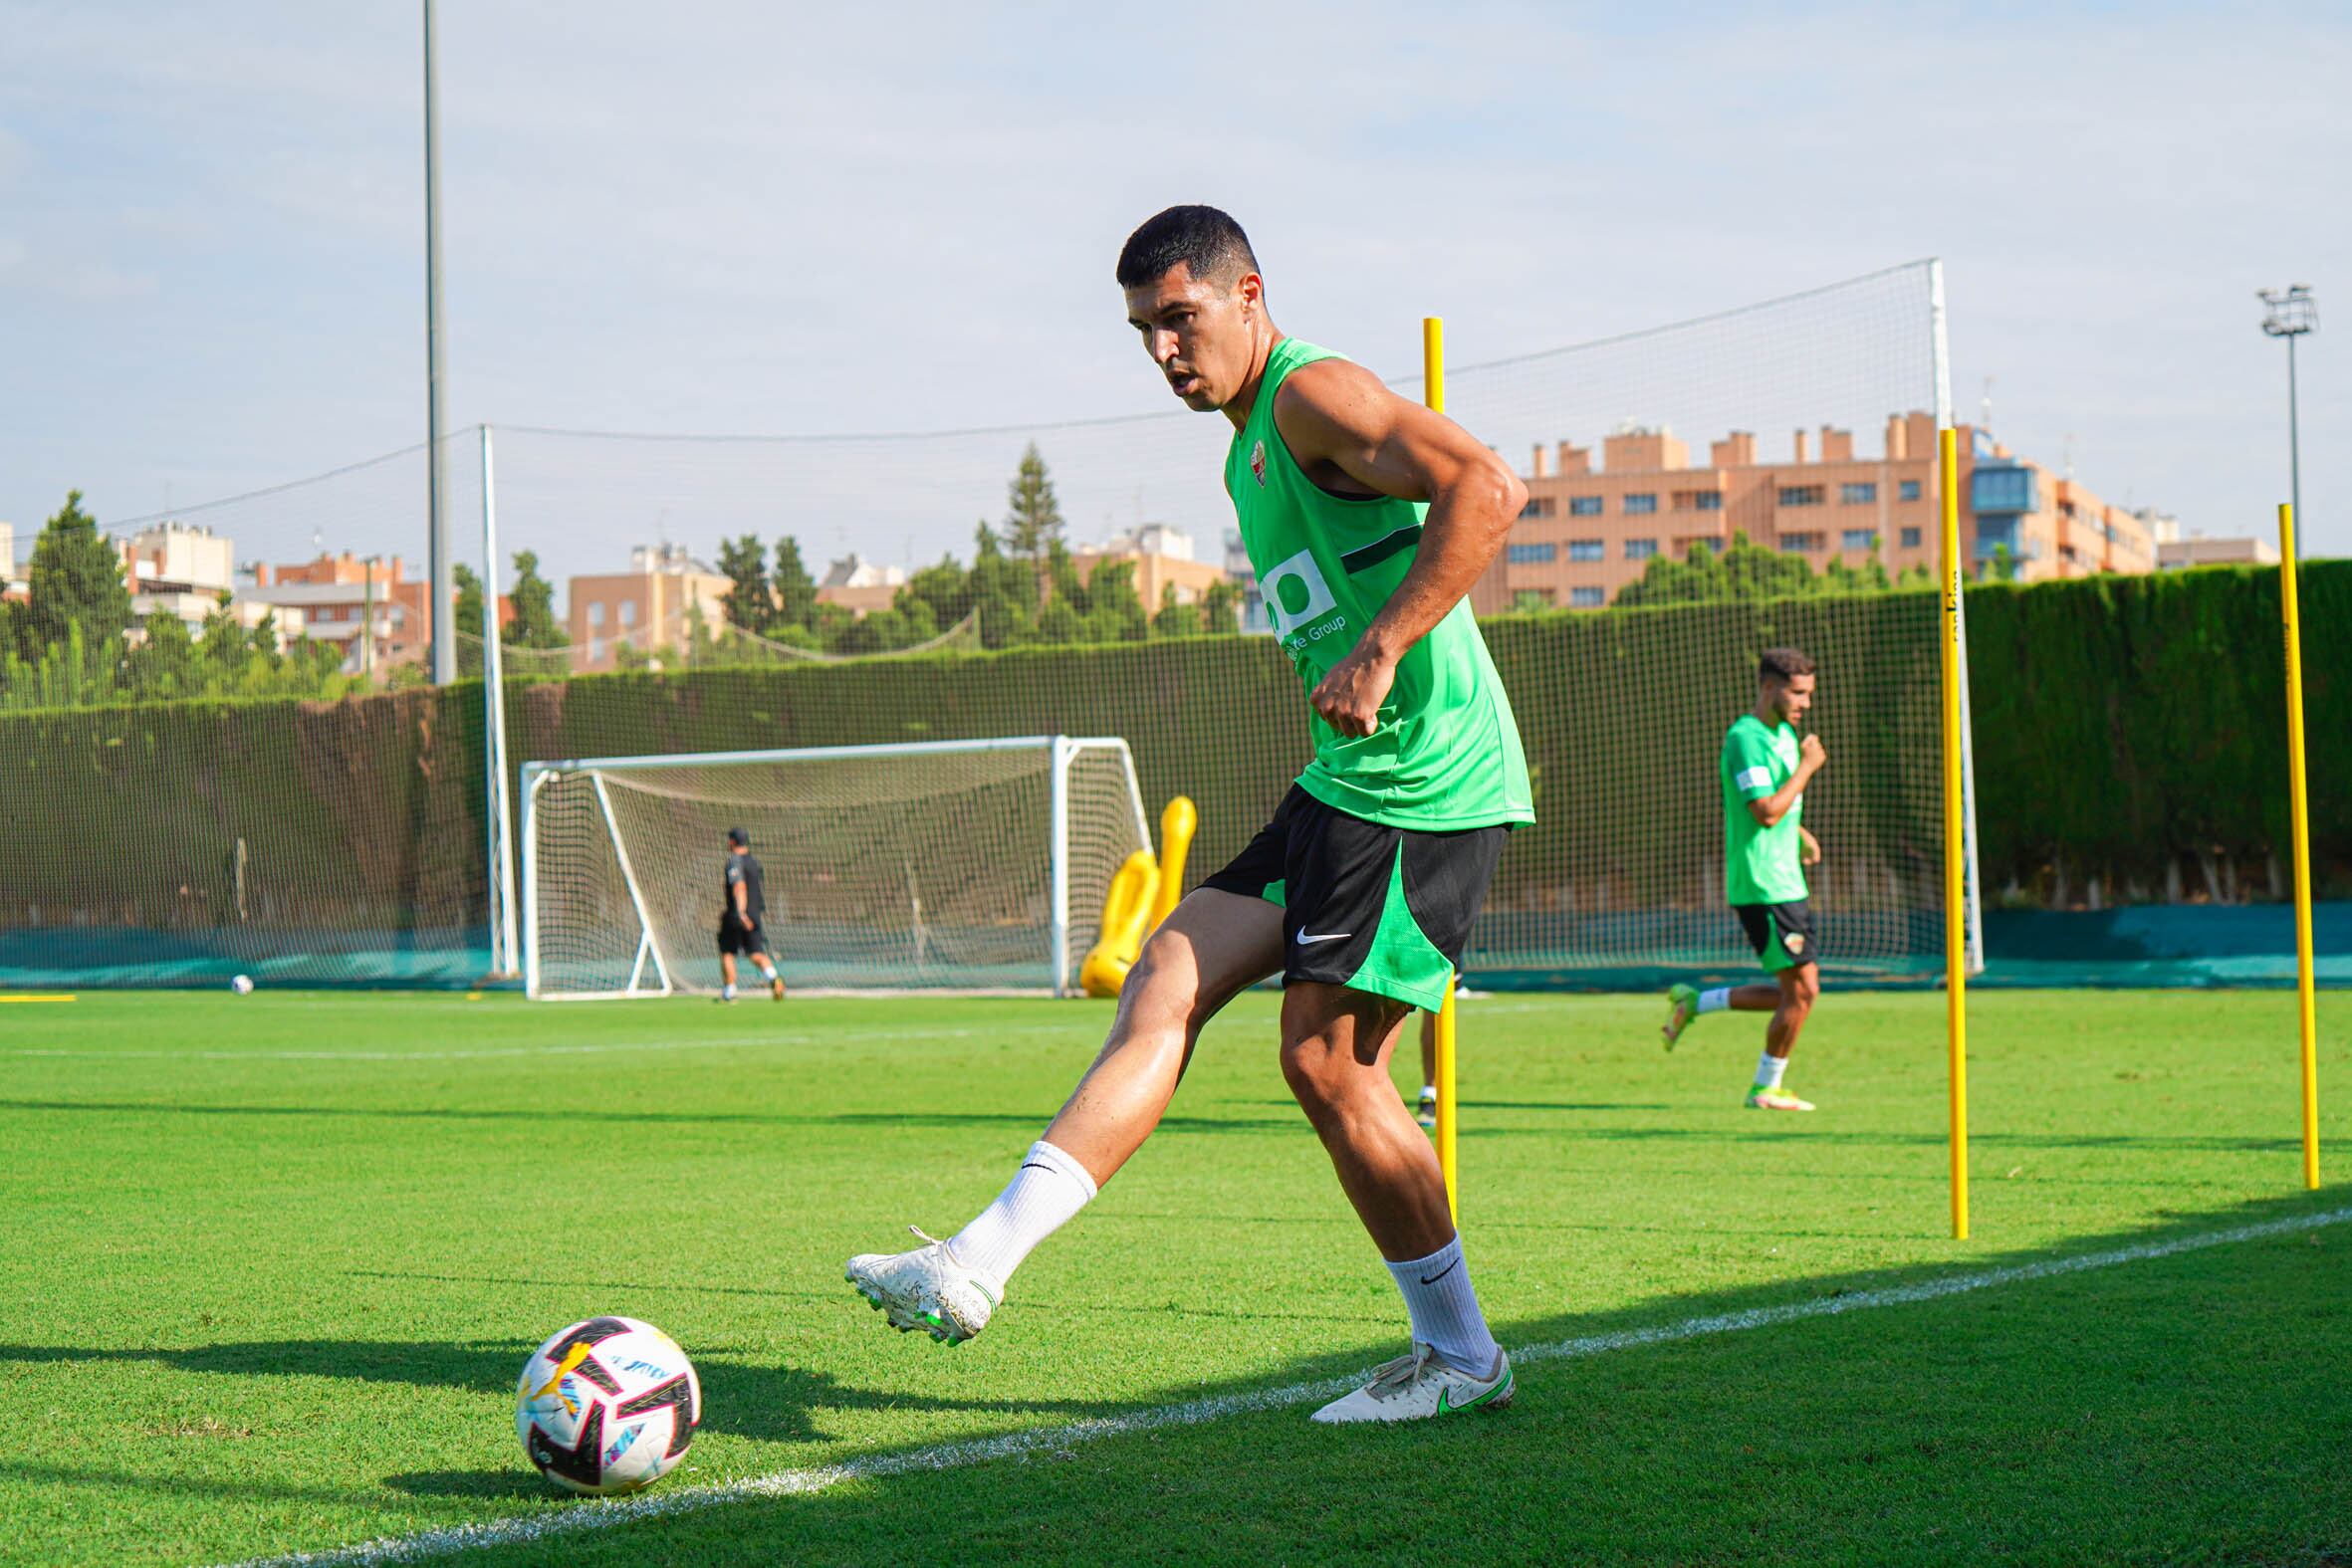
column 729, row 993
column 1445, row 1310
column 1768, row 1069
column 1429, row 1091
column 1044, row 1194
column 766, row 968
column 1717, row 1000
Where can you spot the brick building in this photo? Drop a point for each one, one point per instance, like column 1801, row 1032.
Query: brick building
column 1589, row 528
column 1163, row 559
column 378, row 614
column 648, row 607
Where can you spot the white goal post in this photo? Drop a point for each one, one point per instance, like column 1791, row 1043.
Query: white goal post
column 959, row 865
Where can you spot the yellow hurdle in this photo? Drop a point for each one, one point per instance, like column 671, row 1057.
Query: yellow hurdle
column 1142, row 894
column 1956, row 940
column 1177, row 826
column 2300, row 808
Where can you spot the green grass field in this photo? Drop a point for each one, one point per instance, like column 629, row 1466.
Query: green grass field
column 272, row 1265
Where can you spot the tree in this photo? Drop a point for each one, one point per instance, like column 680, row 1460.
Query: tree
column 945, row 588
column 1004, row 591
column 264, row 641
column 1174, row 619
column 221, row 646
column 744, row 564
column 1058, row 622
column 1115, row 612
column 796, row 590
column 1743, row 570
column 164, row 662
column 76, row 580
column 534, row 624
column 2002, row 567
column 1034, row 519
column 1062, row 572
column 469, row 599
column 1221, row 607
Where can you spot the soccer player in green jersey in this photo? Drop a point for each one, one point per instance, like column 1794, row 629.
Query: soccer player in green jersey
column 1763, row 770
column 1367, row 517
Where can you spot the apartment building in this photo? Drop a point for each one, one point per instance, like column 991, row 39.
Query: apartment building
column 1590, row 527
column 184, row 571
column 1163, row 559
column 859, row 586
column 368, row 605
column 649, row 607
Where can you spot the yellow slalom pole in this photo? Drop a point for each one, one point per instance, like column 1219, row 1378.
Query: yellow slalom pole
column 2300, row 808
column 1955, row 952
column 1445, row 1099
column 1433, row 384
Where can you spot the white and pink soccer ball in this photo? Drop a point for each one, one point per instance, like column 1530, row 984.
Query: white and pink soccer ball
column 242, row 985
column 607, row 1406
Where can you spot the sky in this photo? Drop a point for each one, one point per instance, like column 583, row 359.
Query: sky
column 727, row 217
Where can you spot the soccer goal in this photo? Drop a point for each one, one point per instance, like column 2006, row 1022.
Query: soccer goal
column 937, row 865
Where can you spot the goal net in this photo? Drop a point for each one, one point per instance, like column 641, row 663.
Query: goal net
column 975, row 865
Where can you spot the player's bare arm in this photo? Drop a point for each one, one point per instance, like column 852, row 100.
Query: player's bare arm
column 1813, row 849
column 1774, row 806
column 1351, row 434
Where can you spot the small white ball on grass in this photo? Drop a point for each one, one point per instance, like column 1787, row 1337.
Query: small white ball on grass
column 242, row 985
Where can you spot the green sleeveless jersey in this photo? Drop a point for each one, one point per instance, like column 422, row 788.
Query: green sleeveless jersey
column 1445, row 755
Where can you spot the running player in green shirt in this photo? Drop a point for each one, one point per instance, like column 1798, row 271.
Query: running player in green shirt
column 1763, row 771
column 1367, row 517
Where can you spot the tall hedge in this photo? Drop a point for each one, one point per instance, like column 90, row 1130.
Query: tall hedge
column 2127, row 729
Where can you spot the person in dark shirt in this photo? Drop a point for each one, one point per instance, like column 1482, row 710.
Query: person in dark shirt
column 742, row 916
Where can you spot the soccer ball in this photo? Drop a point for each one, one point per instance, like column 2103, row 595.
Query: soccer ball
column 607, row 1406
column 242, row 985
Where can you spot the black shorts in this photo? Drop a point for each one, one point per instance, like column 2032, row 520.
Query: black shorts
column 1380, row 909
column 736, row 937
column 1781, row 933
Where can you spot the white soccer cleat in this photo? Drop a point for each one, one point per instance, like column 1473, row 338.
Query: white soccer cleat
column 926, row 1289
column 1418, row 1386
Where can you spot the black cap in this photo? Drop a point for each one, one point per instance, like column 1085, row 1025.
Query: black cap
column 736, row 835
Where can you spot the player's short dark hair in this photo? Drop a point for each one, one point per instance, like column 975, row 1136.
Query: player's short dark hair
column 736, row 835
column 1204, row 239
column 1781, row 664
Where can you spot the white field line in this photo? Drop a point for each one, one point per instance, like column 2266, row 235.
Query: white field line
column 1068, row 1434
column 722, row 1042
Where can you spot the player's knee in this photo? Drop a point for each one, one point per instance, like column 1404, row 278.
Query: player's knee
column 1319, row 1075
column 1163, row 994
column 1804, row 988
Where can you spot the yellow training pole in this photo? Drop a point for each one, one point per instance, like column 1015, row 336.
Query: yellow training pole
column 1445, row 1098
column 2300, row 808
column 1433, row 384
column 1955, row 948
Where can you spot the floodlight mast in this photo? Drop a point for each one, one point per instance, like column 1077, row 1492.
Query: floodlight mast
column 438, row 563
column 2290, row 312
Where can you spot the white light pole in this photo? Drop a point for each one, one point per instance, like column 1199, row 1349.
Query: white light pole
column 2289, row 314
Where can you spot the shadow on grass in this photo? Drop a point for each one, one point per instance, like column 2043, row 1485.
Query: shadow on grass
column 2183, row 1408
column 2170, row 1408
column 1023, row 1121
column 768, row 1403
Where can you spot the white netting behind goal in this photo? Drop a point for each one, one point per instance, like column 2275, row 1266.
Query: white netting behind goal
column 956, row 866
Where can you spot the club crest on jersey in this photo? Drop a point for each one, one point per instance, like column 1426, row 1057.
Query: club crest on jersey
column 1258, row 463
